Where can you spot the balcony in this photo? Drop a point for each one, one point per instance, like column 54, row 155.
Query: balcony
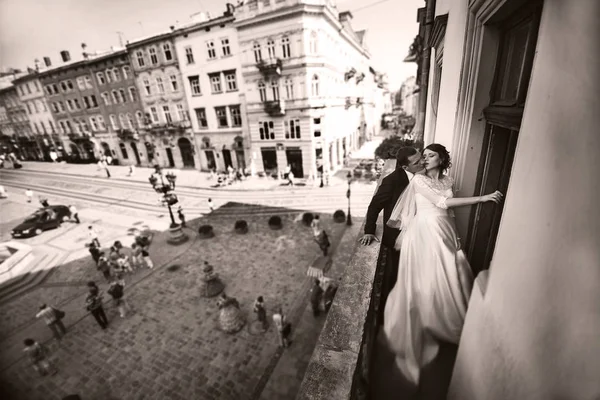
column 275, row 108
column 170, row 127
column 79, row 137
column 127, row 134
column 270, row 67
column 349, row 102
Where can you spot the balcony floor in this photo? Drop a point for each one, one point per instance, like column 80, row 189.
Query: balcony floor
column 388, row 383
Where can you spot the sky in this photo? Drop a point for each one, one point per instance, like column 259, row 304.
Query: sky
column 31, row 29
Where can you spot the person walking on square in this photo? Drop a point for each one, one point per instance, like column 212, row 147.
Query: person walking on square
column 316, row 295
column 147, row 259
column 44, row 202
column 103, row 266
column 261, row 312
column 93, row 303
column 117, row 291
column 29, row 194
column 320, row 235
column 53, row 319
column 210, row 205
column 95, row 252
column 37, row 354
column 181, row 216
column 74, row 213
column 136, row 256
column 93, row 235
column 284, row 328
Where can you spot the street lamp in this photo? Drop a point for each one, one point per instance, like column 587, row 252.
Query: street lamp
column 349, row 218
column 169, row 198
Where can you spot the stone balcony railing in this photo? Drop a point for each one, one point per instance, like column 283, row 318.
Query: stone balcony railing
column 341, row 362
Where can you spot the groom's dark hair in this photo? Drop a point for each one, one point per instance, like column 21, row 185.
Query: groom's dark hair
column 402, row 155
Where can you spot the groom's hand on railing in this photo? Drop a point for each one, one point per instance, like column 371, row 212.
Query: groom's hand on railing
column 367, row 239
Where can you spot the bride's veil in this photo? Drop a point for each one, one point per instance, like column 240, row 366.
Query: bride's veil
column 403, row 212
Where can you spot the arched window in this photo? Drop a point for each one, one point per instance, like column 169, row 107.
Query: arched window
column 140, row 118
column 289, row 89
column 122, row 121
column 315, row 85
column 271, row 48
column 109, row 76
column 113, row 122
column 101, row 123
column 130, row 121
column 313, row 43
column 262, row 90
column 123, row 150
column 275, row 89
column 285, row 47
column 257, row 52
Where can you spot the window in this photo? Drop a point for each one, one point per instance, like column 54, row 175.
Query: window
column 262, row 91
column 154, row 114
column 88, row 82
column 113, row 122
column 289, row 89
column 147, row 87
column 266, row 130
column 94, row 101
column 271, row 48
column 221, row 117
column 117, row 74
column 43, row 126
column 115, row 97
column 55, row 108
column 210, row 47
column 236, row 115
column 55, row 88
column 28, row 88
column 86, row 102
column 100, row 78
column 130, row 121
column 76, row 126
column 230, row 81
column 153, row 56
column 181, row 113
column 123, row 97
column 37, row 89
column 69, row 127
column 48, row 90
column 123, row 150
column 101, row 123
column 167, row 51
column 61, row 105
column 195, row 85
column 225, row 47
column 76, row 103
column 140, row 58
column 28, row 108
column 133, row 94
column 109, row 75
column 312, row 43
column 285, row 47
column 292, row 129
column 174, row 84
column 63, row 127
column 257, row 52
column 215, row 83
column 275, row 89
column 106, row 98
column 139, row 117
column 167, row 114
column 122, row 121
column 126, row 72
column 80, row 83
column 189, row 55
column 63, row 86
column 160, row 85
column 201, row 117
column 51, row 125
column 36, row 128
column 35, row 106
column 315, row 85
column 69, row 85
column 94, row 124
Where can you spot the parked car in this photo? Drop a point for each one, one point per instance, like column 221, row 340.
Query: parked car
column 43, row 219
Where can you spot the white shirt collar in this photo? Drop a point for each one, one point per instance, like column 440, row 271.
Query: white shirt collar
column 410, row 175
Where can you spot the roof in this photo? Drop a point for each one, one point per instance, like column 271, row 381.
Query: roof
column 148, row 39
column 194, row 26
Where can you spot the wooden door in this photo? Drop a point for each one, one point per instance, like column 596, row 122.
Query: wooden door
column 503, row 120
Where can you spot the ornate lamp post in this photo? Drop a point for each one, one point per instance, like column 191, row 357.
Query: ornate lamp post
column 169, row 198
column 349, row 217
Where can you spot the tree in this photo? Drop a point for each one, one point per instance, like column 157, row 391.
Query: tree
column 388, row 148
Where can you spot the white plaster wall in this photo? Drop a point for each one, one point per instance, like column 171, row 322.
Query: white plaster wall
column 535, row 334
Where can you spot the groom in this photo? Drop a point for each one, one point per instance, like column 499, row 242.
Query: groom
column 408, row 162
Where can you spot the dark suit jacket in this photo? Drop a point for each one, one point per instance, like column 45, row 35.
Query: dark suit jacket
column 386, row 197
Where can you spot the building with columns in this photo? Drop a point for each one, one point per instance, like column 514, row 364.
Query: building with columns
column 307, row 76
column 209, row 55
column 165, row 133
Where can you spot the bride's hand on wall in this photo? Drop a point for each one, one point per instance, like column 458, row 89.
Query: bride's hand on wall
column 496, row 197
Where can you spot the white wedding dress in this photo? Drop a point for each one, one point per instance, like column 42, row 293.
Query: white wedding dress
column 429, row 301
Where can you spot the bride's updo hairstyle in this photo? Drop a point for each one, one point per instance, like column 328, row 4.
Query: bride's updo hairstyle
column 444, row 155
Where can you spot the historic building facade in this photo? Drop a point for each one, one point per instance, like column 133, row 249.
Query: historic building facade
column 304, row 68
column 209, row 56
column 121, row 110
column 166, row 136
column 15, row 130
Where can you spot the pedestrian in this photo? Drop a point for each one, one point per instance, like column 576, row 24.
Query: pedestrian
column 93, row 235
column 53, row 318
column 37, row 354
column 131, row 170
column 210, row 205
column 316, row 296
column 109, row 160
column 95, row 252
column 136, row 256
column 103, row 266
column 284, row 328
column 29, row 194
column 181, row 216
column 43, row 201
column 94, row 305
column 74, row 213
column 117, row 292
column 105, row 166
column 147, row 259
column 290, row 178
column 320, row 235
column 261, row 312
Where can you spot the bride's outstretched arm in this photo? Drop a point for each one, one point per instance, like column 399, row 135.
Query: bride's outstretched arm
column 424, row 189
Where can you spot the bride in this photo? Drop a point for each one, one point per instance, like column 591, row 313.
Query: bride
column 429, row 301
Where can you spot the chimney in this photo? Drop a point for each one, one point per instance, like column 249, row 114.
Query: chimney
column 84, row 53
column 66, row 57
column 36, row 62
column 47, row 61
column 199, row 17
column 345, row 16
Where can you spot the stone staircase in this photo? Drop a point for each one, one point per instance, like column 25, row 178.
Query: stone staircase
column 33, row 271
